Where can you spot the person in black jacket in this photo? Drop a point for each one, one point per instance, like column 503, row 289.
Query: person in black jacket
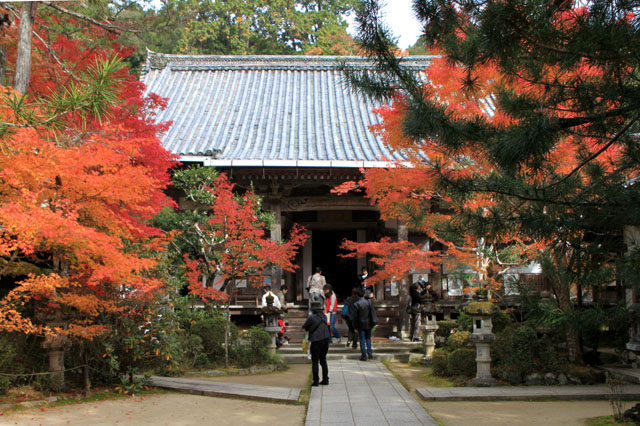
column 319, row 335
column 417, row 292
column 349, row 317
column 365, row 320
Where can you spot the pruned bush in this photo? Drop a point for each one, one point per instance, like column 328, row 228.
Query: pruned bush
column 522, row 346
column 462, row 362
column 439, row 362
column 212, row 330
column 445, row 328
column 254, row 347
column 5, row 384
column 501, row 320
column 459, row 340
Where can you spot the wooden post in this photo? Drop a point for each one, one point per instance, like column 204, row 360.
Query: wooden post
column 403, row 326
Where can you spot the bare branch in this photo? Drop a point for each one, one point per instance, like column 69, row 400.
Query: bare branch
column 115, row 29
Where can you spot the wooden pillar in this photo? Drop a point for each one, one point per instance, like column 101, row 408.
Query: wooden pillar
column 276, row 235
column 403, row 326
column 307, row 267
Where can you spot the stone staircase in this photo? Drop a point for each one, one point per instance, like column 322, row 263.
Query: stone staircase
column 382, row 350
column 297, row 315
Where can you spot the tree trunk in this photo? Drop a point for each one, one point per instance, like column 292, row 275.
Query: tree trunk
column 403, row 326
column 3, row 65
column 23, row 61
column 563, row 292
column 85, row 372
column 227, row 330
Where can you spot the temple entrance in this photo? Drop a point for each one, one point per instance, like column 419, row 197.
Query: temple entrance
column 340, row 273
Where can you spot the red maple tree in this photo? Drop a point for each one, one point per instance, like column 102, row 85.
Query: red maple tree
column 82, row 170
column 235, row 244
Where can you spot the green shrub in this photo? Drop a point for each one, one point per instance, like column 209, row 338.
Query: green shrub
column 462, row 362
column 500, row 321
column 522, row 347
column 548, row 358
column 254, row 348
column 445, row 328
column 439, row 362
column 459, row 340
column 212, row 330
column 464, row 322
column 500, row 348
column 5, row 384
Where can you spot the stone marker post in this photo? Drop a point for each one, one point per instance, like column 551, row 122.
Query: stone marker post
column 482, row 336
column 429, row 328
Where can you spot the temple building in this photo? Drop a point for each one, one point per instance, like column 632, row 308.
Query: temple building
column 291, row 128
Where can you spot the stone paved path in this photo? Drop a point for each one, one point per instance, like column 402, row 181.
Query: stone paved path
column 525, row 393
column 236, row 390
column 363, row 393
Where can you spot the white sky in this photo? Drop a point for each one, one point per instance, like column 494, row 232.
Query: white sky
column 400, row 18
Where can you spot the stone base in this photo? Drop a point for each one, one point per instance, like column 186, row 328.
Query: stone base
column 484, row 382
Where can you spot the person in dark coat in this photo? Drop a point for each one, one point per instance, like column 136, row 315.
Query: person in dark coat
column 348, row 314
column 417, row 291
column 316, row 326
column 365, row 320
column 362, row 280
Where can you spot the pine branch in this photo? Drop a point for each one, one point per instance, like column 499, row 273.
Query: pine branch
column 594, row 155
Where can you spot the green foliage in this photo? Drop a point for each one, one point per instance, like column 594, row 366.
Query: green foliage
column 445, row 328
column 557, row 156
column 440, row 362
column 462, row 362
column 211, row 330
column 522, row 344
column 519, row 351
column 499, row 319
column 5, row 384
column 253, row 347
column 459, row 340
column 465, row 322
column 239, row 27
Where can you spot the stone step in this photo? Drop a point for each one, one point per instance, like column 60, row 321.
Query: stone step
column 400, row 347
column 303, row 359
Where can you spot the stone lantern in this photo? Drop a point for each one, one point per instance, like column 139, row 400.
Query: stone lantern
column 428, row 327
column 270, row 316
column 481, row 313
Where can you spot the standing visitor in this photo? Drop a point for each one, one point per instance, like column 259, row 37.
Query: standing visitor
column 316, row 326
column 267, row 293
column 416, row 292
column 331, row 309
column 365, row 320
column 282, row 295
column 362, row 279
column 315, row 287
column 348, row 313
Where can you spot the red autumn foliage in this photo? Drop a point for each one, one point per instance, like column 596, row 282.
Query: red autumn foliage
column 74, row 203
column 236, row 243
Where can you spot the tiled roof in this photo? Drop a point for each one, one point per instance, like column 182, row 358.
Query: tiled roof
column 276, row 110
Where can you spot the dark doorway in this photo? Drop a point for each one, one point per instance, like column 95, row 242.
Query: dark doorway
column 341, row 273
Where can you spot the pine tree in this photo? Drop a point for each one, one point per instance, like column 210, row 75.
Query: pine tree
column 539, row 118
